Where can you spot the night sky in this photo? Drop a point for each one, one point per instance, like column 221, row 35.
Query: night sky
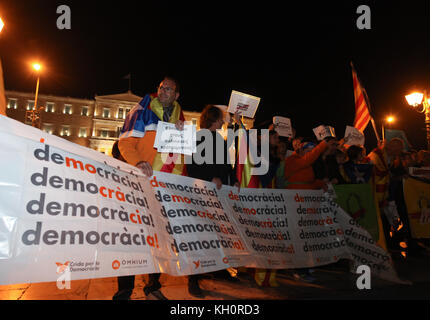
column 294, row 56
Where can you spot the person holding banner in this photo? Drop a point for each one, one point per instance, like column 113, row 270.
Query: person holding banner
column 211, row 120
column 136, row 144
column 299, row 174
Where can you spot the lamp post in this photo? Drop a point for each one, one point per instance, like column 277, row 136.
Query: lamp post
column 34, row 114
column 388, row 120
column 416, row 99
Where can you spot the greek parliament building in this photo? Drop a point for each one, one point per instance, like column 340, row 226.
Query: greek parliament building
column 91, row 123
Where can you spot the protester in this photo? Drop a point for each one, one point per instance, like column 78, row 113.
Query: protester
column 211, row 119
column 282, row 155
column 268, row 180
column 354, row 170
column 326, row 167
column 299, row 174
column 382, row 158
column 136, row 146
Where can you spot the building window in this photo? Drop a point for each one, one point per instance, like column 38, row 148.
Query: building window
column 127, row 111
column 30, row 105
column 12, row 104
column 106, row 112
column 65, row 131
column 104, row 133
column 48, row 128
column 67, row 109
column 120, row 113
column 85, row 111
column 49, row 107
column 83, row 132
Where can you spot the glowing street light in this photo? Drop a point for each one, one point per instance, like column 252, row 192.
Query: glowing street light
column 1, row 24
column 37, row 66
column 389, row 120
column 34, row 114
column 417, row 98
column 414, row 99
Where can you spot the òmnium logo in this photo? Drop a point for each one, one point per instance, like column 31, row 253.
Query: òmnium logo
column 116, row 264
column 129, row 263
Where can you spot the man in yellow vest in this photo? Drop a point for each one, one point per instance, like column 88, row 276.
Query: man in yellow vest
column 136, row 145
column 382, row 158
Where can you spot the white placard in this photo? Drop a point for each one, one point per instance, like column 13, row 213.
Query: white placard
column 245, row 104
column 354, row 137
column 322, row 132
column 282, row 126
column 170, row 139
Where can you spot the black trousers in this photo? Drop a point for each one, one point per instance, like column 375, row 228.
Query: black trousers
column 126, row 283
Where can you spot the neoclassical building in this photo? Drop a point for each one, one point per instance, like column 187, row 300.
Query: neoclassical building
column 93, row 123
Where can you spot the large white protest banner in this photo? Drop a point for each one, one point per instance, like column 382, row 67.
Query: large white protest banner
column 65, row 204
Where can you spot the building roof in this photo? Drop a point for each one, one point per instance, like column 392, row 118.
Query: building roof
column 126, row 96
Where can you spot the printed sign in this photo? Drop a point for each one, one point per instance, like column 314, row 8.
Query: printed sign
column 245, row 104
column 323, row 132
column 353, row 136
column 170, row 139
column 282, row 126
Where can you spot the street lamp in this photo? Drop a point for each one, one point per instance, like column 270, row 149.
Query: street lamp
column 388, row 120
column 416, row 99
column 34, row 114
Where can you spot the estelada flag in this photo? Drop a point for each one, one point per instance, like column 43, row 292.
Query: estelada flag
column 362, row 108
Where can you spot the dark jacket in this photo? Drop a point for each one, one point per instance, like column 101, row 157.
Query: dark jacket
column 207, row 171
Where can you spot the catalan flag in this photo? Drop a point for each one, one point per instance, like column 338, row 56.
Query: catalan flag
column 362, row 114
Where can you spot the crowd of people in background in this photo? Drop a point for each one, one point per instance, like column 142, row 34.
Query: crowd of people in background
column 295, row 162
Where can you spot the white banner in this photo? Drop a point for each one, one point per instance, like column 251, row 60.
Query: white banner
column 102, row 219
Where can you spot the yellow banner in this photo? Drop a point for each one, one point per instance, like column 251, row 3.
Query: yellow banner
column 417, row 198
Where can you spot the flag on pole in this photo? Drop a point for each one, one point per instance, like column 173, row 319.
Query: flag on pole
column 362, row 114
column 362, row 106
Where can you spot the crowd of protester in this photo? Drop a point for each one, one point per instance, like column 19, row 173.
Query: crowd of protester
column 294, row 163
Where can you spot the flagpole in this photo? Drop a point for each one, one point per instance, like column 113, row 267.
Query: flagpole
column 374, row 128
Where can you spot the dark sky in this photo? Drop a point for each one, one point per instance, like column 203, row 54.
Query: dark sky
column 295, row 56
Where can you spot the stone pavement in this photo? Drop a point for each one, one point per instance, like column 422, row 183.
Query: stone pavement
column 332, row 282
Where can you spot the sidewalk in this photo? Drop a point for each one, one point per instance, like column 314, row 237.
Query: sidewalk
column 332, row 282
